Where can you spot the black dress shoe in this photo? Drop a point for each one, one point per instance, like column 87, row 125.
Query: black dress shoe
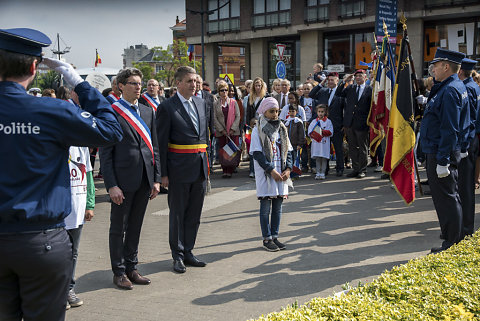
column 163, row 190
column 137, row 278
column 178, row 266
column 193, row 261
column 339, row 173
column 122, row 282
column 385, row 176
column 352, row 174
column 424, row 182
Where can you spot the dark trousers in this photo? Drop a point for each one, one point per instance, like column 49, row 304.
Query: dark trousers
column 337, row 141
column 74, row 235
column 358, row 149
column 126, row 222
column 466, row 187
column 185, row 201
column 446, row 199
column 35, row 271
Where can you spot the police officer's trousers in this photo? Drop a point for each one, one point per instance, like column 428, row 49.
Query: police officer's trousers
column 446, row 199
column 35, row 271
column 466, row 187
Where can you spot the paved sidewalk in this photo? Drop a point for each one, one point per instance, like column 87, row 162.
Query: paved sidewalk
column 336, row 231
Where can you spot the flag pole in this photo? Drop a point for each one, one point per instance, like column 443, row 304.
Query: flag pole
column 403, row 21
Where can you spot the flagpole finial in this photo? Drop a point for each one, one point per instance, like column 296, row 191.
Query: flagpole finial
column 403, row 21
column 385, row 29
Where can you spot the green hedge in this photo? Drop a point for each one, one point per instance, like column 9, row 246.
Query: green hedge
column 445, row 286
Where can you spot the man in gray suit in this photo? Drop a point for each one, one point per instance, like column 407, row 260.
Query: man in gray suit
column 131, row 173
column 182, row 122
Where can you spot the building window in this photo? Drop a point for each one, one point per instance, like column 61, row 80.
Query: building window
column 352, row 8
column 242, row 51
column 219, row 50
column 242, row 72
column 429, row 4
column 226, row 19
column 220, row 70
column 316, row 11
column 271, row 13
column 158, row 68
column 455, row 36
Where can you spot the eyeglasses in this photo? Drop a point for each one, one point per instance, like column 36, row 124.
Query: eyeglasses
column 154, row 85
column 223, row 90
column 134, row 83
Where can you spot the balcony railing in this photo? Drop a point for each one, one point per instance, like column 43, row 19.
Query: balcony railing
column 271, row 19
column 224, row 25
column 316, row 14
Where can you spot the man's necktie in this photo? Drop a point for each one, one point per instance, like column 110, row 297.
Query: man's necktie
column 283, row 100
column 358, row 91
column 193, row 114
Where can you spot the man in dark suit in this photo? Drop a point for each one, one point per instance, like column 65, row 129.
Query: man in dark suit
column 330, row 96
column 183, row 136
column 357, row 106
column 282, row 97
column 131, row 174
column 151, row 97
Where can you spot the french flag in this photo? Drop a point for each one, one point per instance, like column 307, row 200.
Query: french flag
column 190, row 51
column 230, row 149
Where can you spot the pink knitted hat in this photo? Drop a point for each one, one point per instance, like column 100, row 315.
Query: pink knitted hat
column 266, row 104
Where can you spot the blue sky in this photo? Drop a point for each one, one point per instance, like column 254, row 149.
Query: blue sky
column 86, row 25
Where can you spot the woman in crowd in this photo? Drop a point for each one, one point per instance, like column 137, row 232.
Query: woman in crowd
column 257, row 94
column 227, row 121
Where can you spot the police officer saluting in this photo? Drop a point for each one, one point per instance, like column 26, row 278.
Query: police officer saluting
column 440, row 141
column 469, row 147
column 35, row 135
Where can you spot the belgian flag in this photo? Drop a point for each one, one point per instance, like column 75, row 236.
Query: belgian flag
column 98, row 60
column 399, row 158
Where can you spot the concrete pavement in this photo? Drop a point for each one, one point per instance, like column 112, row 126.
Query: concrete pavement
column 336, row 231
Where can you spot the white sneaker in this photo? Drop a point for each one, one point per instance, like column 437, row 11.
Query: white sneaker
column 252, row 175
column 378, row 169
column 322, row 176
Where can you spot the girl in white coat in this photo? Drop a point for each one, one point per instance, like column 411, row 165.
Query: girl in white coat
column 271, row 151
column 320, row 131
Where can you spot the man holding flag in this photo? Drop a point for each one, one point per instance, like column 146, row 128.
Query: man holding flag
column 439, row 138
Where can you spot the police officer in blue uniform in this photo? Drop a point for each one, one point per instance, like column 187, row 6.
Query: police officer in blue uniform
column 469, row 147
column 440, row 141
column 35, row 135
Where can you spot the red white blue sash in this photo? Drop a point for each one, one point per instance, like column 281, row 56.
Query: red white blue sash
column 151, row 101
column 113, row 97
column 132, row 117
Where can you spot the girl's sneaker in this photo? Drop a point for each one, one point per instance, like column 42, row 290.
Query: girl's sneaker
column 317, row 176
column 280, row 245
column 270, row 246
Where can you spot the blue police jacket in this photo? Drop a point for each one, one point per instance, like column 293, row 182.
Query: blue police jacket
column 35, row 135
column 440, row 127
column 473, row 91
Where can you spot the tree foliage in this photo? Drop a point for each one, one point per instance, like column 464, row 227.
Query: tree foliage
column 174, row 56
column 46, row 80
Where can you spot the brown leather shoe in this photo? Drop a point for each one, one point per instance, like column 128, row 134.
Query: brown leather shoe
column 136, row 278
column 122, row 282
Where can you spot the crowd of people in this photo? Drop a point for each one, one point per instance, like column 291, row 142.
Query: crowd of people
column 150, row 144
